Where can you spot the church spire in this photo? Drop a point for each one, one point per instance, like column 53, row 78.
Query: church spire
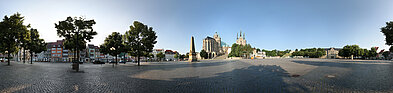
column 240, row 33
column 244, row 35
column 237, row 35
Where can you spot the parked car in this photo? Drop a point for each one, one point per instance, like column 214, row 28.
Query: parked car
column 77, row 61
column 122, row 61
column 98, row 62
column 112, row 61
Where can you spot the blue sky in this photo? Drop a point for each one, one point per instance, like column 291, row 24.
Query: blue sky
column 268, row 24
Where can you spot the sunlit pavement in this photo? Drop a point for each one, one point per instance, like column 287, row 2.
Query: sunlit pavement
column 240, row 76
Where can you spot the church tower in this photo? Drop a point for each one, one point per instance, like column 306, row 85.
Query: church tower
column 242, row 39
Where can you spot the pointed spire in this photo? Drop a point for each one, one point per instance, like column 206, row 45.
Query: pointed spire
column 237, row 35
column 244, row 35
column 240, row 33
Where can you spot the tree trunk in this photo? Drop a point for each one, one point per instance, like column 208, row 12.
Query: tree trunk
column 8, row 58
column 77, row 62
column 31, row 58
column 138, row 60
column 24, row 55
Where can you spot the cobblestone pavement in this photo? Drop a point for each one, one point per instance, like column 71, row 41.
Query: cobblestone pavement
column 211, row 76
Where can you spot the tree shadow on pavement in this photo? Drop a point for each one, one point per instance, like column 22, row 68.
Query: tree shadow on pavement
column 260, row 79
column 170, row 66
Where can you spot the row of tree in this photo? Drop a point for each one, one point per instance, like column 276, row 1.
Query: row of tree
column 357, row 52
column 76, row 31
column 274, row 52
column 15, row 35
column 309, row 52
column 138, row 41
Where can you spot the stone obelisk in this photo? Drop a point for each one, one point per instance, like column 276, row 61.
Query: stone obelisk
column 192, row 54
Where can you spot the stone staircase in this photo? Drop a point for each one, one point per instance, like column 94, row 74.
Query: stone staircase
column 221, row 57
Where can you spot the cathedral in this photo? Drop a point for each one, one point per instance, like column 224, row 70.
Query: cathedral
column 212, row 45
column 242, row 39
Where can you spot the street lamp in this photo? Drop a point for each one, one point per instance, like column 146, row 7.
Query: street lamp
column 113, row 49
column 6, row 52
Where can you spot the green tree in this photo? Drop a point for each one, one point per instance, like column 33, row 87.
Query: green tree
column 366, row 54
column 11, row 29
column 187, row 55
column 113, row 45
column 182, row 56
column 160, row 56
column 203, row 54
column 351, row 50
column 140, row 39
column 177, row 56
column 240, row 50
column 76, row 32
column 234, row 51
column 386, row 54
column 24, row 39
column 388, row 32
column 270, row 53
column 309, row 52
column 151, row 56
column 259, row 50
column 36, row 44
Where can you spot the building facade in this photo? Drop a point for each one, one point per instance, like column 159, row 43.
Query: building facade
column 170, row 55
column 242, row 39
column 156, row 51
column 56, row 49
column 213, row 45
column 332, row 53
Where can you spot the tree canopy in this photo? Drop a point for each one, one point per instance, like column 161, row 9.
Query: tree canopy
column 36, row 44
column 310, row 52
column 140, row 40
column 203, row 54
column 240, row 50
column 160, row 56
column 114, row 40
column 350, row 50
column 388, row 32
column 358, row 52
column 11, row 31
column 76, row 31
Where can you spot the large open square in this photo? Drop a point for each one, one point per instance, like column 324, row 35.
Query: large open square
column 240, row 76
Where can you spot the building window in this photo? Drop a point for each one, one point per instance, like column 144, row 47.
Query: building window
column 53, row 51
column 59, row 45
column 58, row 51
column 54, row 45
column 53, row 48
column 58, row 48
column 54, row 55
column 59, row 55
